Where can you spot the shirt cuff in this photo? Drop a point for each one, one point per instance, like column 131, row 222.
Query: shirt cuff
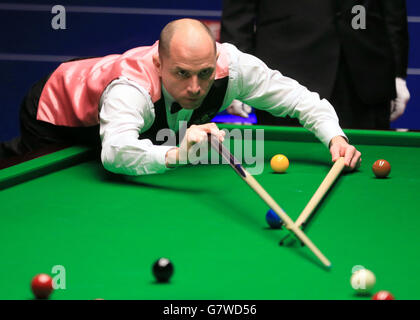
column 325, row 132
column 159, row 158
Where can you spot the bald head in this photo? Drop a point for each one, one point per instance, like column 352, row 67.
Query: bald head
column 188, row 33
column 187, row 61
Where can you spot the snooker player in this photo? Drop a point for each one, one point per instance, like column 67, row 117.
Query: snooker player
column 184, row 77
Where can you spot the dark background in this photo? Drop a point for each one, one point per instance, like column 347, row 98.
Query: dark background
column 30, row 48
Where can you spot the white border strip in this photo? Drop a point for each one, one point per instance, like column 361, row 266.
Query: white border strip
column 413, row 71
column 57, row 58
column 137, row 11
column 33, row 57
column 114, row 10
column 414, row 19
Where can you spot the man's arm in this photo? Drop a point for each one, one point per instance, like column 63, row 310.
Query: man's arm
column 266, row 89
column 269, row 90
column 125, row 111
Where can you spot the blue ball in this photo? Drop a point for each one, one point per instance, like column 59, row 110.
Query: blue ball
column 273, row 219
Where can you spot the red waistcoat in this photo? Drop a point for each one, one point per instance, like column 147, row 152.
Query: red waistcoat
column 71, row 95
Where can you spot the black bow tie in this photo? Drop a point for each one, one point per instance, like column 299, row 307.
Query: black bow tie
column 175, row 107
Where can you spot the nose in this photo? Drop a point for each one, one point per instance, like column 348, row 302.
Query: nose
column 194, row 86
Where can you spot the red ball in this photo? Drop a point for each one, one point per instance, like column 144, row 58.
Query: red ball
column 381, row 168
column 383, row 295
column 42, row 286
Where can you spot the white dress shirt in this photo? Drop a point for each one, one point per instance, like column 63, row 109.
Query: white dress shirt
column 126, row 109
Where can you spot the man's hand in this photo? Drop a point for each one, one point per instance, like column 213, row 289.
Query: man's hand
column 196, row 134
column 238, row 108
column 400, row 102
column 339, row 147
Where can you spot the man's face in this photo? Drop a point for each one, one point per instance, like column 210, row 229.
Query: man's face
column 188, row 74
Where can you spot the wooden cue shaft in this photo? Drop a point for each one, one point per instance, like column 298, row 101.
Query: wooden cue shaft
column 250, row 180
column 321, row 191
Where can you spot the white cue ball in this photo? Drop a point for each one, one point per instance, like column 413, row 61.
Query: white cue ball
column 363, row 281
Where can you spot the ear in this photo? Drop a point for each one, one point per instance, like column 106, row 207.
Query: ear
column 156, row 62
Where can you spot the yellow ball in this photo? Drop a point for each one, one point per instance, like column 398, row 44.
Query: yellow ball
column 279, row 163
column 363, row 281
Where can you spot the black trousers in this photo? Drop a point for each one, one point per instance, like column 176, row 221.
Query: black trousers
column 37, row 136
column 352, row 112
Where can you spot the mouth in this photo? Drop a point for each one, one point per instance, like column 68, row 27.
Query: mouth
column 191, row 103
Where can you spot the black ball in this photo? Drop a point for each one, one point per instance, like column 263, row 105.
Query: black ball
column 163, row 270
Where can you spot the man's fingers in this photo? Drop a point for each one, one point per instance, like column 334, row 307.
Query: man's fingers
column 243, row 114
column 210, row 128
column 222, row 135
column 349, row 154
column 247, row 108
column 335, row 153
column 197, row 136
column 240, row 109
column 340, row 148
column 358, row 162
column 355, row 160
column 193, row 138
column 214, row 130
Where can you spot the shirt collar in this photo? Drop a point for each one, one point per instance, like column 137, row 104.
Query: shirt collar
column 167, row 97
column 174, row 118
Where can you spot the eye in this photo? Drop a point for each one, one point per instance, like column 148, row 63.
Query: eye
column 182, row 73
column 205, row 73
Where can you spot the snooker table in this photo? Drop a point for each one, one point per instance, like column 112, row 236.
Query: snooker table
column 107, row 230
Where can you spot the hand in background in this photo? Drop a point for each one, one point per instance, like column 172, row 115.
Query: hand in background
column 238, row 108
column 399, row 104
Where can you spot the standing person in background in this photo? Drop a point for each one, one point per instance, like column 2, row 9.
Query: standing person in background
column 361, row 71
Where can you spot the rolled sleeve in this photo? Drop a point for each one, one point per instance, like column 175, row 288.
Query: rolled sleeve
column 325, row 132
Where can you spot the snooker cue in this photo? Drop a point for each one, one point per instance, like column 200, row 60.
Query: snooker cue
column 250, row 180
column 328, row 181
